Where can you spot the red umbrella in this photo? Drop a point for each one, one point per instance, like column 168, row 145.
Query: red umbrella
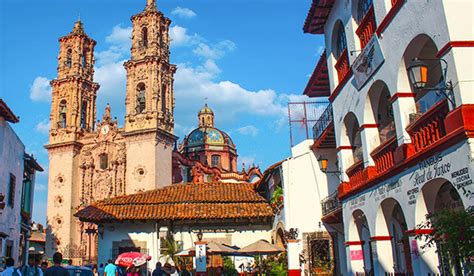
column 130, row 259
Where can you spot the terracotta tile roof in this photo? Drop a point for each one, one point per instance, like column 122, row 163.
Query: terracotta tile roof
column 182, row 202
column 37, row 237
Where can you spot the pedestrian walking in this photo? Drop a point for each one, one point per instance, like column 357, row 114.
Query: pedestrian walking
column 110, row 269
column 56, row 269
column 31, row 268
column 11, row 270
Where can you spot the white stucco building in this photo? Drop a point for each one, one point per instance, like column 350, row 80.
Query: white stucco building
column 227, row 213
column 17, row 178
column 403, row 149
column 303, row 185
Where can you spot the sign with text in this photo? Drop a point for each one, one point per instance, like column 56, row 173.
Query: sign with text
column 201, row 265
column 357, row 255
column 368, row 61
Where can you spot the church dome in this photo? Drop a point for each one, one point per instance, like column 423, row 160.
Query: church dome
column 206, row 110
column 208, row 136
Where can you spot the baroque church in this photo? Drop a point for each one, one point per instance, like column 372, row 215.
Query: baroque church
column 92, row 160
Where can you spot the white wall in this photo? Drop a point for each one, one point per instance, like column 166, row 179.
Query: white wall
column 11, row 155
column 148, row 232
column 304, row 186
column 143, row 232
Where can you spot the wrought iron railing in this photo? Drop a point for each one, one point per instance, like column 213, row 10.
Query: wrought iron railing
column 330, row 203
column 323, row 122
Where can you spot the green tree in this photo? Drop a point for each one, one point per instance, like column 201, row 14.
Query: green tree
column 229, row 267
column 170, row 249
column 453, row 236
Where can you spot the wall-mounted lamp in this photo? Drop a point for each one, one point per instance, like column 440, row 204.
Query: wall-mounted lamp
column 199, row 235
column 100, row 230
column 418, row 75
column 323, row 166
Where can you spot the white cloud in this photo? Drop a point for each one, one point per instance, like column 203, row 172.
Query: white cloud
column 120, row 36
column 249, row 130
column 180, row 37
column 43, row 127
column 183, row 12
column 119, row 48
column 40, row 187
column 112, row 78
column 40, row 90
column 216, row 51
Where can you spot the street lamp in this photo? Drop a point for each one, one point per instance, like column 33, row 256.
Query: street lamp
column 418, row 76
column 418, row 73
column 323, row 166
column 199, row 235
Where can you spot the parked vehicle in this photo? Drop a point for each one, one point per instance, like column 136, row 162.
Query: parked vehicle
column 79, row 271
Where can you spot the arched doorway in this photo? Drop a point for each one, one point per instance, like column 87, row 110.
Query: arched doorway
column 360, row 249
column 352, row 136
column 381, row 111
column 435, row 196
column 391, row 230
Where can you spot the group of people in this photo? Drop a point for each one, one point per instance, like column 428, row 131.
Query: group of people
column 34, row 268
column 110, row 269
column 168, row 269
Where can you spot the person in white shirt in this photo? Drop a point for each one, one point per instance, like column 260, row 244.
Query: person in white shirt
column 11, row 270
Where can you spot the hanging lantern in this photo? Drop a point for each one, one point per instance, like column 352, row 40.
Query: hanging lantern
column 323, row 164
column 418, row 73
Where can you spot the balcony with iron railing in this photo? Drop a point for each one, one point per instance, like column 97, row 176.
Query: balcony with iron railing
column 323, row 130
column 330, row 204
column 366, row 27
column 323, row 122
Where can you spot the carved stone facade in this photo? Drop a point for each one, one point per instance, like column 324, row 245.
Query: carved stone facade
column 92, row 160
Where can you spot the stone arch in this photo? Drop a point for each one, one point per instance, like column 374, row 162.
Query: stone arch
column 144, row 36
column 393, row 247
column 434, row 195
column 424, row 48
column 338, row 40
column 279, row 235
column 360, row 249
column 378, row 110
column 351, row 136
column 141, row 98
column 62, row 114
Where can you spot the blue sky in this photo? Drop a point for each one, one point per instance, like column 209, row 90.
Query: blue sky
column 249, row 58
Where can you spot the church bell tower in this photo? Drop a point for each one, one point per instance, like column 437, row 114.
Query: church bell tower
column 150, row 98
column 73, row 91
column 72, row 118
column 149, row 102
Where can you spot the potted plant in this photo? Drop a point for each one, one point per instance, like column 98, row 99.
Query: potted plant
column 277, row 198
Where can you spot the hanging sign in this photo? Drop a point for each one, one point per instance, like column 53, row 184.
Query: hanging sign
column 368, row 61
column 201, row 265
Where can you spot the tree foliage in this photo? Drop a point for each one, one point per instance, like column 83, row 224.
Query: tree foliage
column 452, row 233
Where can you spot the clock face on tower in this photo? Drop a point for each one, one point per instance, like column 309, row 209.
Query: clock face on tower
column 105, row 129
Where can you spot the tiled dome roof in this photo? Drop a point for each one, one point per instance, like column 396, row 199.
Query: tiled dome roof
column 209, row 136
